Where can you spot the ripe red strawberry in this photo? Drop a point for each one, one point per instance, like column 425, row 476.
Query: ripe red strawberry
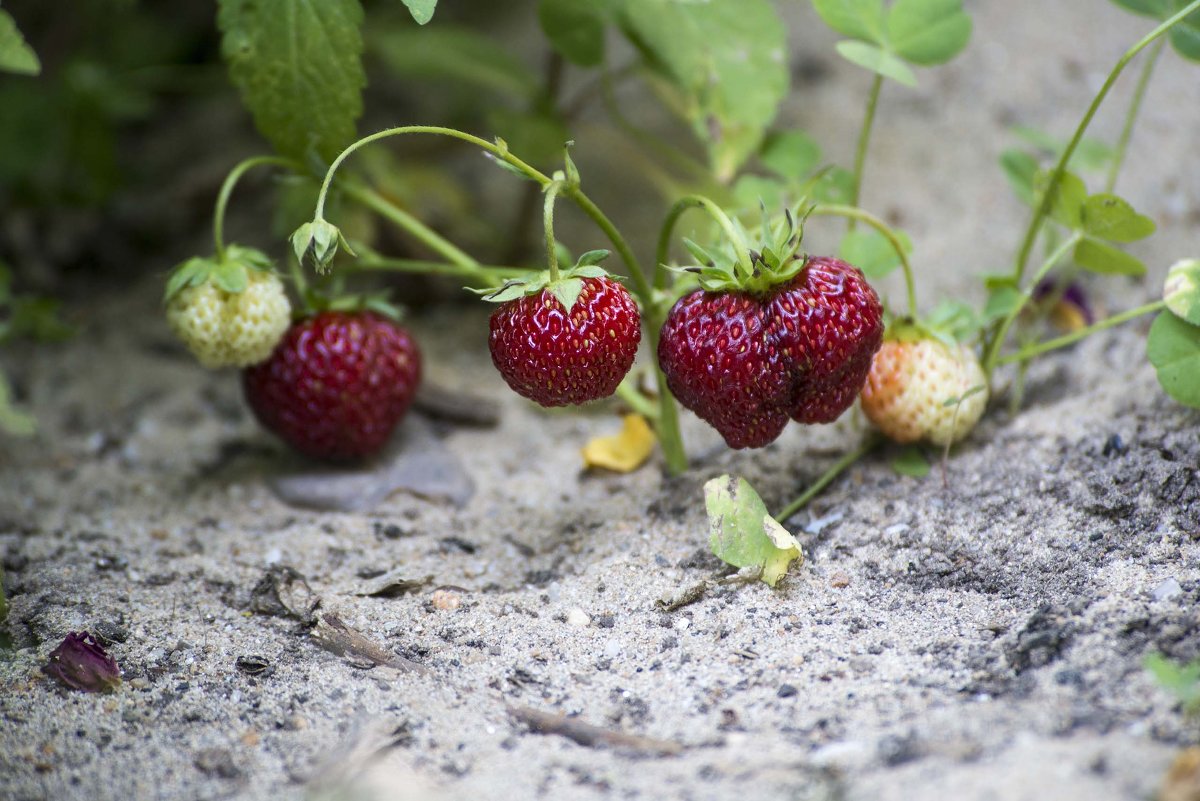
column 557, row 357
column 747, row 361
column 337, row 384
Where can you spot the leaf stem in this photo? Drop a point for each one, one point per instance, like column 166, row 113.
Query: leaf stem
column 1043, row 208
column 227, row 189
column 838, row 467
column 993, row 350
column 1027, row 353
column 864, row 139
column 548, row 223
column 1135, row 104
column 855, row 213
column 718, row 214
column 485, row 275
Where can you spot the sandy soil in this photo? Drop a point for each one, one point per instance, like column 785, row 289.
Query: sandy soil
column 979, row 639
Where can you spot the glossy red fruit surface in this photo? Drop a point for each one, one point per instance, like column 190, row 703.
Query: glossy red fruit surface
column 555, row 357
column 748, row 363
column 337, row 384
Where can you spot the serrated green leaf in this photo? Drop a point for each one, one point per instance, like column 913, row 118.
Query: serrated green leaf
column 928, row 32
column 1069, row 196
column 743, row 534
column 871, row 252
column 911, row 462
column 877, row 60
column 454, row 55
column 575, row 29
column 1099, row 257
column 567, row 291
column 1181, row 291
column 1107, row 216
column 789, row 154
column 421, row 10
column 727, row 57
column 592, row 258
column 1173, row 347
column 858, row 19
column 298, row 67
column 15, row 54
column 1020, row 168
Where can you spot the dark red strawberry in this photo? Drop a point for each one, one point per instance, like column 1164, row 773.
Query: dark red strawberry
column 746, row 362
column 557, row 357
column 336, row 385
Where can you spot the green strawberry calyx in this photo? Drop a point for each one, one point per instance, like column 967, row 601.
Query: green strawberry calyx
column 566, row 288
column 774, row 258
column 229, row 272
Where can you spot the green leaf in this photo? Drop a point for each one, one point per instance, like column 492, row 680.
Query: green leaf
column 1181, row 680
column 1149, row 8
column 231, row 277
column 421, row 10
column 1185, row 37
column 1020, row 168
column 729, row 60
column 955, row 318
column 1109, row 217
column 575, row 28
column 790, row 154
column 743, row 534
column 876, row 59
column 591, row 258
column 192, row 272
column 298, row 68
column 1173, row 347
column 1090, row 153
column 1181, row 292
column 1069, row 196
column 871, row 252
column 911, row 462
column 454, row 55
column 753, row 191
column 12, row 420
column 858, row 19
column 567, row 291
column 1092, row 254
column 1001, row 301
column 928, row 32
column 15, row 54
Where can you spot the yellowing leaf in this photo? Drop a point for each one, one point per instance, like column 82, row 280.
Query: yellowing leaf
column 623, row 452
column 743, row 534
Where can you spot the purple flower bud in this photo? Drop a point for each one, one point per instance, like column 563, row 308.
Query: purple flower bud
column 81, row 663
column 1071, row 310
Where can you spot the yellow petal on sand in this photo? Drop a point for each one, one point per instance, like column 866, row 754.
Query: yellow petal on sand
column 623, row 452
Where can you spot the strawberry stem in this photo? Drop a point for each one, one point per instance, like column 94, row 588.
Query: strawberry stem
column 1043, row 208
column 227, row 189
column 662, row 254
column 552, row 191
column 855, row 213
column 826, row 478
column 1027, row 353
column 1135, row 104
column 864, row 139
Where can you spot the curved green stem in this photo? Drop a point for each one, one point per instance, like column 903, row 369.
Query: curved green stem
column 864, row 139
column 548, row 223
column 483, row 276
column 1027, row 353
column 838, row 467
column 719, row 216
column 993, row 351
column 1043, row 208
column 227, row 189
column 1135, row 105
column 628, row 392
column 855, row 213
column 419, row 230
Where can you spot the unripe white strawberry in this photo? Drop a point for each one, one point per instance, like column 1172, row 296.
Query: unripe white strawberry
column 228, row 315
column 923, row 389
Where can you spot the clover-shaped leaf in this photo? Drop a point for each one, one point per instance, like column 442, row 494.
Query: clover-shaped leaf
column 1109, row 217
column 1181, row 292
column 1173, row 347
column 743, row 534
column 1098, row 257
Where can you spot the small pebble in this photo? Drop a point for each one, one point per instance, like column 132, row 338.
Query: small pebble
column 579, row 618
column 446, row 600
column 839, row 579
column 1167, row 590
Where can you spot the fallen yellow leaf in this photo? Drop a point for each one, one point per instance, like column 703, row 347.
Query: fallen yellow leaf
column 623, row 452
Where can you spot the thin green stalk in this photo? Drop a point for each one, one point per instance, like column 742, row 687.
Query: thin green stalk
column 419, row 230
column 1027, row 353
column 628, row 392
column 993, row 350
column 855, row 213
column 1135, row 105
column 227, row 189
column 484, row 275
column 840, row 466
column 864, row 139
column 548, row 224
column 1043, row 208
column 662, row 253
